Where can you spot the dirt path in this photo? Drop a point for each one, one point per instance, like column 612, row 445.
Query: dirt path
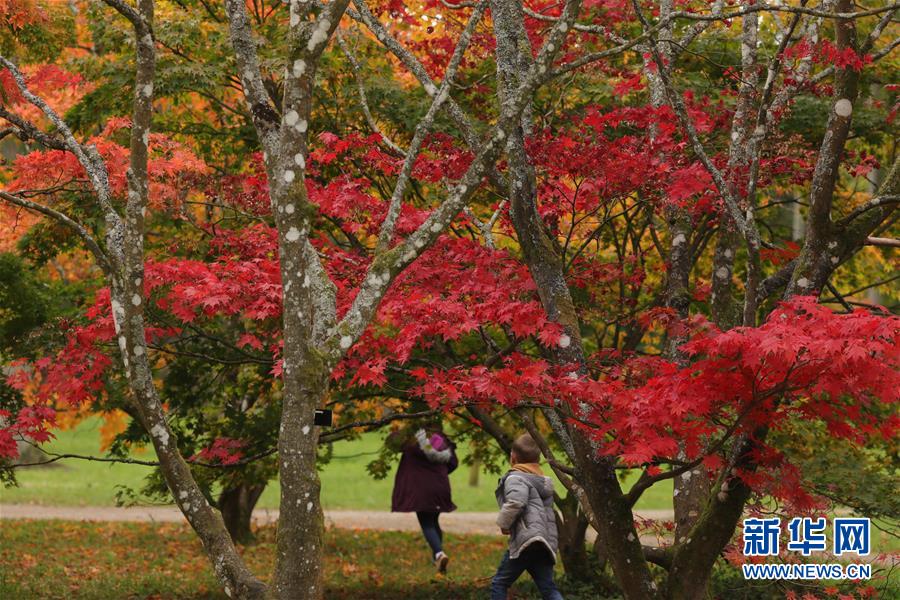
column 472, row 522
column 459, row 523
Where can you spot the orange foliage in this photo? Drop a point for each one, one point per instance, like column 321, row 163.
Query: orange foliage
column 16, row 14
column 114, row 423
column 68, row 417
column 14, row 223
column 61, row 89
column 73, row 266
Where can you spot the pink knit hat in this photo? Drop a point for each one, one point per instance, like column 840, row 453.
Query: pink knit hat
column 437, row 442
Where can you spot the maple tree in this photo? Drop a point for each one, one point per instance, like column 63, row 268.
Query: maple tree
column 535, row 248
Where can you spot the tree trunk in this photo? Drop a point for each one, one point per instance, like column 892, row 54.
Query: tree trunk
column 236, row 504
column 474, row 472
column 616, row 522
column 692, row 488
column 298, row 571
column 125, row 244
column 605, row 585
column 812, row 271
column 572, row 524
column 723, row 304
column 694, row 558
column 822, row 252
column 545, row 263
column 308, row 312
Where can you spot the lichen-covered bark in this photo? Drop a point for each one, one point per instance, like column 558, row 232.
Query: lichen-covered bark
column 822, row 251
column 572, row 525
column 693, row 557
column 235, row 578
column 742, row 155
column 125, row 244
column 123, row 262
column 724, row 307
column 707, row 517
column 545, row 263
column 813, row 268
column 309, row 309
column 440, row 96
column 315, row 340
column 688, row 493
column 386, row 265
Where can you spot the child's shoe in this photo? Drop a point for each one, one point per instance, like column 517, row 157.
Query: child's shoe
column 440, row 561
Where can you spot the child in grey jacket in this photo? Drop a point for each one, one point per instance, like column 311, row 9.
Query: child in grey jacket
column 525, row 498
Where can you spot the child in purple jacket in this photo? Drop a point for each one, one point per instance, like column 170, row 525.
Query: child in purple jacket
column 422, row 486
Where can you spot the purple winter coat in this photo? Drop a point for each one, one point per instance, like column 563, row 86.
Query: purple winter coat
column 421, row 485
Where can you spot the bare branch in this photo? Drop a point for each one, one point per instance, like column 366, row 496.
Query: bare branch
column 871, row 204
column 884, row 242
column 715, row 15
column 761, row 7
column 363, row 102
column 386, row 266
column 423, row 128
column 26, row 130
column 72, row 224
column 265, row 117
column 412, row 64
column 690, row 130
column 87, row 155
column 486, row 227
column 137, row 20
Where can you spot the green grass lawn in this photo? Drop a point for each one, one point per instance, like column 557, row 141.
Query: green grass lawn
column 345, row 482
column 75, row 482
column 50, row 560
column 47, row 560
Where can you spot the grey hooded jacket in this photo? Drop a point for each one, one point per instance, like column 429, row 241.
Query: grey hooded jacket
column 526, row 511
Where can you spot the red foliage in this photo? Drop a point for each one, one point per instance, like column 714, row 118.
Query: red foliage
column 780, row 256
column 224, row 451
column 826, row 53
column 42, row 80
column 171, row 165
column 804, row 362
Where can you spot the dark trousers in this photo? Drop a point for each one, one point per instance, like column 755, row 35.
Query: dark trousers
column 431, row 529
column 537, row 560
